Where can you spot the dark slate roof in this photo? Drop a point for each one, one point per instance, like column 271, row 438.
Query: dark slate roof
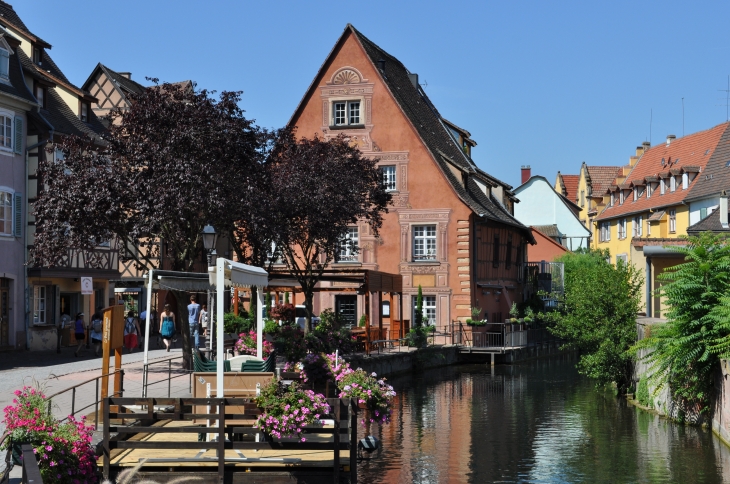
column 710, row 223
column 427, row 121
column 17, row 85
column 715, row 176
column 9, row 16
column 549, row 230
column 65, row 121
column 30, row 68
column 49, row 66
column 125, row 84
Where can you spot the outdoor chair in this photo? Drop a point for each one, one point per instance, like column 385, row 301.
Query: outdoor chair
column 203, row 364
column 268, row 366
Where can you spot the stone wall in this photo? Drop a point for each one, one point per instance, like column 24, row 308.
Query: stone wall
column 721, row 405
column 391, row 364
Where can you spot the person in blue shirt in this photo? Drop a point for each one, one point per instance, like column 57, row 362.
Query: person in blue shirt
column 193, row 319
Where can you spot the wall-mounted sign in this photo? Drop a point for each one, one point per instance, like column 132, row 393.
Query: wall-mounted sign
column 87, row 285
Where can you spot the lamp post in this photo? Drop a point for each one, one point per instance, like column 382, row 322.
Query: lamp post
column 209, row 240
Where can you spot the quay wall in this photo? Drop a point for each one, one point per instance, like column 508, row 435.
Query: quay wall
column 391, row 364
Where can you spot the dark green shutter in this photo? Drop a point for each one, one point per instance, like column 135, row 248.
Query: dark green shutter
column 18, row 141
column 18, row 215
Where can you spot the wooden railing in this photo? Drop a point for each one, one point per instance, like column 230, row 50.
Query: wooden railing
column 229, row 415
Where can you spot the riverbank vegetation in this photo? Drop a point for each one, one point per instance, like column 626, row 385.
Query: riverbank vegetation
column 684, row 352
column 597, row 315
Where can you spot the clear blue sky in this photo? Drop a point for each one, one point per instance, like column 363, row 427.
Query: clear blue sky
column 549, row 84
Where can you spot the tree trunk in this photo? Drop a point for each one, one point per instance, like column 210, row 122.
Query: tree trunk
column 183, row 300
column 308, row 304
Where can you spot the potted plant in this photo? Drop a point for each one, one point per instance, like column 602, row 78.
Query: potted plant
column 63, row 449
column 246, row 345
column 514, row 314
column 370, row 392
column 286, row 410
column 529, row 315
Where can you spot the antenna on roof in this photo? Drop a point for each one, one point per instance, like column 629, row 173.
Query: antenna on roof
column 682, row 117
column 727, row 99
column 651, row 118
column 425, row 83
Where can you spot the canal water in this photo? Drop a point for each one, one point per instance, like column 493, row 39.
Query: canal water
column 535, row 422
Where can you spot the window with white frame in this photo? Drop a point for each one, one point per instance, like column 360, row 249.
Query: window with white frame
column 663, row 186
column 429, row 310
column 39, row 305
column 672, row 183
column 621, row 197
column 648, row 190
column 622, row 258
column 622, row 228
column 346, row 113
column 4, row 63
column 389, row 177
column 6, row 130
column 424, row 242
column 6, row 213
column 685, row 181
column 636, row 193
column 613, row 199
column 604, row 234
column 637, row 226
column 348, row 246
column 648, row 228
column 672, row 221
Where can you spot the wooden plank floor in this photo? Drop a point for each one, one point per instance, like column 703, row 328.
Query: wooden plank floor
column 309, row 458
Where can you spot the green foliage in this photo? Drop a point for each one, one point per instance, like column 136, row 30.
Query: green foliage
column 236, row 324
column 418, row 337
column 642, row 393
column 475, row 312
column 363, row 320
column 684, row 352
column 514, row 312
column 267, row 301
column 286, row 298
column 271, row 326
column 597, row 315
column 418, row 317
column 329, row 319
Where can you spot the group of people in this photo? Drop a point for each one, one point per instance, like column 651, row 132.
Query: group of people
column 197, row 320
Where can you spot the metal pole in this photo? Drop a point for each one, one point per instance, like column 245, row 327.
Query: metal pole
column 96, row 407
column 169, row 374
column 259, row 326
column 220, row 288
column 147, row 332
column 73, row 401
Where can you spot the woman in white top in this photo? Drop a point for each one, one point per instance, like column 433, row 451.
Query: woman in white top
column 203, row 319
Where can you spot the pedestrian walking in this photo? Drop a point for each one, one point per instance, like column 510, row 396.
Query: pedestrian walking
column 167, row 326
column 193, row 320
column 79, row 332
column 131, row 332
column 97, row 323
column 204, row 319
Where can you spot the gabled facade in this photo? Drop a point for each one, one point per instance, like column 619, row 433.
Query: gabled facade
column 450, row 229
column 111, row 89
column 654, row 201
column 60, row 109
column 541, row 205
column 15, row 102
column 567, row 186
column 593, row 182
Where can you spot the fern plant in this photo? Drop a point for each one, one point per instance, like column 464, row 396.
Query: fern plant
column 684, row 352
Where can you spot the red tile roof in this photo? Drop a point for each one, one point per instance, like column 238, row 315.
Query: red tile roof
column 693, row 150
column 602, row 177
column 570, row 182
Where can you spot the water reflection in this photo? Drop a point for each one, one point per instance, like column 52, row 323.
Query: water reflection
column 536, row 422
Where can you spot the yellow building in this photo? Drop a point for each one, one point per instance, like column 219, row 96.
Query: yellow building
column 663, row 190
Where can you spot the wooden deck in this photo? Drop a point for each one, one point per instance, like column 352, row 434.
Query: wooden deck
column 175, row 438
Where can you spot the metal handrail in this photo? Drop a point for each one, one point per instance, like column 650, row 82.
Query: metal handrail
column 145, row 376
column 96, row 400
column 391, row 341
column 31, row 472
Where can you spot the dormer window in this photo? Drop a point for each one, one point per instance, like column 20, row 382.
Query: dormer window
column 613, row 199
column 37, row 55
column 40, row 95
column 685, row 181
column 663, row 186
column 4, row 63
column 346, row 113
column 84, row 112
column 648, row 190
column 672, row 183
column 621, row 197
column 636, row 193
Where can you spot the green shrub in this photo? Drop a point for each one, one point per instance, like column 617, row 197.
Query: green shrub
column 271, row 326
column 642, row 393
column 236, row 324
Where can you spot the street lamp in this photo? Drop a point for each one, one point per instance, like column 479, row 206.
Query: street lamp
column 209, row 239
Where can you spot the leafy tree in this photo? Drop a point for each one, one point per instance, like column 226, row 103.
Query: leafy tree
column 684, row 352
column 168, row 165
column 597, row 315
column 318, row 188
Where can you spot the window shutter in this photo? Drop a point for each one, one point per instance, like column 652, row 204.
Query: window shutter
column 18, row 135
column 18, row 214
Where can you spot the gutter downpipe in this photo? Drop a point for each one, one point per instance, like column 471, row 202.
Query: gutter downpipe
column 647, row 278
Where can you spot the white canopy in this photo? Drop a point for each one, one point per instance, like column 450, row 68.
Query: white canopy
column 226, row 273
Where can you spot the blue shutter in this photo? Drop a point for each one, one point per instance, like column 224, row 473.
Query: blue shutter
column 18, row 135
column 18, row 214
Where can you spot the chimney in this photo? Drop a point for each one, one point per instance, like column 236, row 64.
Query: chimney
column 128, row 75
column 526, row 173
column 381, row 64
column 723, row 209
column 670, row 138
column 646, row 145
column 414, row 79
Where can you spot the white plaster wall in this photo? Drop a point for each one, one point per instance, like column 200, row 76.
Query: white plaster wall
column 541, row 205
column 694, row 208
